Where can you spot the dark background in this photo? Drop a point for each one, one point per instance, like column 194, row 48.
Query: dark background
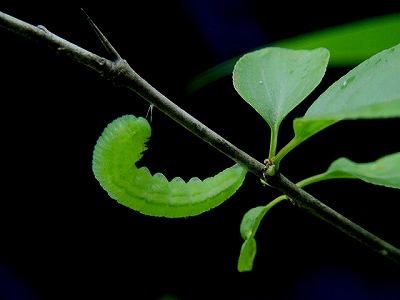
column 62, row 237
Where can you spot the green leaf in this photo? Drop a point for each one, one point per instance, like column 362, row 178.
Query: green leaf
column 275, row 80
column 248, row 228
column 251, row 220
column 352, row 43
column 349, row 45
column 247, row 255
column 370, row 90
column 384, row 171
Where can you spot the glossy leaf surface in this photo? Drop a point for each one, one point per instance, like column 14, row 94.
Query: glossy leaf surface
column 370, row 90
column 275, row 80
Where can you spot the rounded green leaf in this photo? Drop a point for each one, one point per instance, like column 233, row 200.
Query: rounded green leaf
column 275, row 80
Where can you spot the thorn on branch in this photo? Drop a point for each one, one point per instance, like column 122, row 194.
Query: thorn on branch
column 107, row 45
column 41, row 27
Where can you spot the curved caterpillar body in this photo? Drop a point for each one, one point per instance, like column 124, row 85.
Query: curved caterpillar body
column 122, row 144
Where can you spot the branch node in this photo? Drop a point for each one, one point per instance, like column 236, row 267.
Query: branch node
column 117, row 67
column 269, row 169
column 41, row 27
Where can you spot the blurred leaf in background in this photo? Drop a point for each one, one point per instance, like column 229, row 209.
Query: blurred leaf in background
column 349, row 45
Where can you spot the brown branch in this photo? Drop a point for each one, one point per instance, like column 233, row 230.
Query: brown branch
column 123, row 75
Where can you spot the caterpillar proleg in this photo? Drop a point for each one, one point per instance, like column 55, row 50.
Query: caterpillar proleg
column 122, row 144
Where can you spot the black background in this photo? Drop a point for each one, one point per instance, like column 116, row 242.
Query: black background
column 62, row 237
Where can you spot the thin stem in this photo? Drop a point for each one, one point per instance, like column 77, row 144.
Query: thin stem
column 273, row 203
column 285, row 150
column 273, row 142
column 265, row 209
column 321, row 177
column 123, row 75
column 299, row 138
column 312, row 179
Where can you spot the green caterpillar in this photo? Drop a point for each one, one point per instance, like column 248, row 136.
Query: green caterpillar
column 122, row 144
